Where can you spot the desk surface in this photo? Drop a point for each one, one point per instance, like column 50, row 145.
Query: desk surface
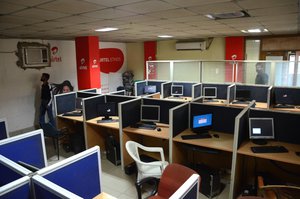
column 112, row 125
column 224, row 142
column 297, row 110
column 74, row 118
column 289, row 157
column 220, row 102
column 163, row 134
column 104, row 196
column 261, row 105
column 179, row 99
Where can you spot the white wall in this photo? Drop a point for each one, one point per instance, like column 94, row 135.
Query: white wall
column 20, row 89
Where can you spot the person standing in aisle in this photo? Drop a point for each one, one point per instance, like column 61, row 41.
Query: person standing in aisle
column 46, row 100
column 261, row 76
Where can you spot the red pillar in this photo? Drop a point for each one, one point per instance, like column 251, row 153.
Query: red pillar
column 87, row 59
column 150, row 54
column 234, row 46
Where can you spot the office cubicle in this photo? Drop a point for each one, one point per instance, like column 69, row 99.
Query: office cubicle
column 285, row 96
column 121, row 92
column 196, row 90
column 139, row 86
column 79, row 174
column 19, row 188
column 221, row 89
column 28, row 147
column 3, row 129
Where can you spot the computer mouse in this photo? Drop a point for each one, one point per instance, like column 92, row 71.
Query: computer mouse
column 158, row 129
column 216, row 135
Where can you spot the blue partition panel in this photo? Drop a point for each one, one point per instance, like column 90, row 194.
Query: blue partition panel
column 27, row 147
column 65, row 102
column 157, row 84
column 19, row 189
column 8, row 174
column 187, row 88
column 139, row 88
column 3, row 129
column 231, row 94
column 197, row 89
column 86, row 94
column 80, row 174
column 90, row 106
column 166, row 92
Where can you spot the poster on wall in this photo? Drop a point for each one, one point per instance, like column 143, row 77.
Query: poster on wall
column 112, row 58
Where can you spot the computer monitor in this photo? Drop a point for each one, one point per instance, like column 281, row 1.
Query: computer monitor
column 106, row 110
column 149, row 89
column 210, row 92
column 150, row 113
column 243, row 95
column 78, row 104
column 286, row 96
column 177, row 90
column 202, row 123
column 261, row 129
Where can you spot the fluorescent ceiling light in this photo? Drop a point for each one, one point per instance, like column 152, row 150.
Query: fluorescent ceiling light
column 254, row 30
column 228, row 15
column 266, row 30
column 106, row 29
column 164, row 36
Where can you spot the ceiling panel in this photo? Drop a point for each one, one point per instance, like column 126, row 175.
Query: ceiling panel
column 254, row 4
column 27, row 2
column 110, row 13
column 216, row 8
column 6, row 8
column 36, row 13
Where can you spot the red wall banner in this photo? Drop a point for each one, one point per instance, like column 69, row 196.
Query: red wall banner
column 150, row 54
column 234, row 50
column 111, row 59
column 87, row 60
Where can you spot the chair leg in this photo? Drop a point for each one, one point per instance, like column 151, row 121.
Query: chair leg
column 57, row 142
column 138, row 189
column 54, row 142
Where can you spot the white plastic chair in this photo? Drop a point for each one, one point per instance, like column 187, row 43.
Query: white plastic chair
column 146, row 169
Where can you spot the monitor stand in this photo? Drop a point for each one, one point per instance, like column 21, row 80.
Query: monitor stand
column 107, row 119
column 259, row 141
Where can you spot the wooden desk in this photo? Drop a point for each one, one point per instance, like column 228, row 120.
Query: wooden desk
column 260, row 105
column 296, row 110
column 289, row 157
column 219, row 102
column 104, row 195
column 96, row 133
column 152, row 138
column 179, row 99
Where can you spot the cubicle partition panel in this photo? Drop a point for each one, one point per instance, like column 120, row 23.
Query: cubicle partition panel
column 286, row 124
column 165, row 106
column 129, row 112
column 156, row 83
column 196, row 90
column 121, row 92
column 258, row 93
column 286, row 95
column 90, row 106
column 166, row 89
column 179, row 119
column 231, row 93
column 139, row 87
column 118, row 99
column 91, row 90
column 43, row 188
column 269, row 96
column 221, row 89
column 187, row 88
column 223, row 118
column 198, row 100
column 80, row 174
column 64, row 102
column 19, row 188
column 3, row 129
column 28, row 148
column 86, row 94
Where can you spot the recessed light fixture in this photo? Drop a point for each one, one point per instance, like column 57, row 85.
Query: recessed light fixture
column 228, row 15
column 255, row 30
column 164, row 36
column 106, row 29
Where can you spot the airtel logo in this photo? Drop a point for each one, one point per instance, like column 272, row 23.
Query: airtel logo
column 54, row 50
column 111, row 59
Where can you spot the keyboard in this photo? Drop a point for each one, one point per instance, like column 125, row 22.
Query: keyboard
column 283, row 106
column 108, row 121
column 196, row 136
column 144, row 126
column 77, row 114
column 269, row 149
column 240, row 102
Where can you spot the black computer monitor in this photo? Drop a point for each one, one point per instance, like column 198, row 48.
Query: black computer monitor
column 106, row 110
column 177, row 90
column 243, row 95
column 78, row 103
column 260, row 130
column 202, row 123
column 286, row 96
column 149, row 89
column 150, row 113
column 210, row 92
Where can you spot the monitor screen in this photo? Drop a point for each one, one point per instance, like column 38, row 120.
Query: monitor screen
column 261, row 128
column 202, row 123
column 107, row 109
column 150, row 89
column 243, row 95
column 177, row 90
column 150, row 113
column 210, row 92
column 78, row 105
column 287, row 96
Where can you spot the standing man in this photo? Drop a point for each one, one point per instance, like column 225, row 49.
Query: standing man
column 261, row 76
column 46, row 100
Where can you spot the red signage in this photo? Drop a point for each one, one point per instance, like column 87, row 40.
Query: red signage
column 111, row 59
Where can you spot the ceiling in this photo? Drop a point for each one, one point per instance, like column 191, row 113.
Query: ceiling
column 143, row 20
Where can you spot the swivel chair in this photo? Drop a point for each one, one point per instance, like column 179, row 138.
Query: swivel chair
column 146, row 169
column 52, row 132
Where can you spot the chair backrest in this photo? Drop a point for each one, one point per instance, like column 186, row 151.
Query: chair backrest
column 172, row 178
column 132, row 149
column 49, row 130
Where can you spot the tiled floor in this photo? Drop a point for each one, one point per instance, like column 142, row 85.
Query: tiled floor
column 114, row 181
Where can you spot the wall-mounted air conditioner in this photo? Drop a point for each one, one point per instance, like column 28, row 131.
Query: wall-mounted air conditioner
column 195, row 45
column 33, row 55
